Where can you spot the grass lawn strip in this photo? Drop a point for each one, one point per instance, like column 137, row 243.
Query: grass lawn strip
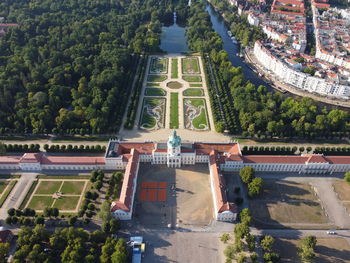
column 3, row 185
column 196, row 85
column 67, row 203
column 40, row 202
column 48, row 187
column 192, row 78
column 155, row 92
column 72, row 187
column 7, row 191
column 174, row 110
column 193, row 92
column 156, row 78
column 174, row 69
column 151, row 84
column 190, row 65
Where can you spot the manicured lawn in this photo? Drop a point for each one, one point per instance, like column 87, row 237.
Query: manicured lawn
column 155, row 92
column 174, row 69
column 193, row 92
column 197, row 102
column 67, row 203
column 159, row 65
column 3, row 185
column 151, row 84
column 7, row 191
column 72, row 187
column 48, row 187
column 196, row 85
column 190, row 65
column 174, row 85
column 156, row 78
column 174, row 110
column 40, row 202
column 192, row 78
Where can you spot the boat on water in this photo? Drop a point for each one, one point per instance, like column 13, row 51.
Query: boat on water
column 229, row 33
column 234, row 41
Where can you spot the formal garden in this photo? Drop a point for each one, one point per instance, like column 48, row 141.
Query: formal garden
column 64, row 195
column 153, row 113
column 196, row 117
column 6, row 186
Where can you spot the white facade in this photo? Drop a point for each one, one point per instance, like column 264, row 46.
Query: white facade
column 297, row 78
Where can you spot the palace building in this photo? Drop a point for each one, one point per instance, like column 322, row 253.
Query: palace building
column 220, row 157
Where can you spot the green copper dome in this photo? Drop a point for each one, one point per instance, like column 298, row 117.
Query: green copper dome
column 174, row 140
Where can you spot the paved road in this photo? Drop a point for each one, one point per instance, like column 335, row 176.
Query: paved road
column 18, row 193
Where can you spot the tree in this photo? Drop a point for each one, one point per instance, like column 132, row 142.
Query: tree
column 4, row 251
column 72, row 220
column 105, row 212
column 114, row 225
column 347, row 177
column 306, row 249
column 55, row 212
column 247, row 174
column 267, row 243
column 241, row 230
column 255, row 187
column 245, row 216
column 121, row 253
column 230, row 252
column 11, row 212
column 107, row 250
column 225, row 237
column 2, row 148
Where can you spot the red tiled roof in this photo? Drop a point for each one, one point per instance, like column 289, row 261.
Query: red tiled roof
column 292, row 159
column 316, row 159
column 338, row 159
column 219, row 186
column 206, row 148
column 125, row 199
column 31, row 158
column 142, row 147
column 71, row 160
column 10, row 159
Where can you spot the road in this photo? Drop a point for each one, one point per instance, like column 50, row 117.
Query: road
column 18, row 193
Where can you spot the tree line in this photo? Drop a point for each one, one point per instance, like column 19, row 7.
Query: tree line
column 67, row 67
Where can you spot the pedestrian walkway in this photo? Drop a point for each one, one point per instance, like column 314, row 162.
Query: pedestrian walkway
column 18, row 193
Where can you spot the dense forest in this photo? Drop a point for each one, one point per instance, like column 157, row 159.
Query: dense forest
column 253, row 110
column 68, row 66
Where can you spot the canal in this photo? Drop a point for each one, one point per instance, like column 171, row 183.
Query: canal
column 232, row 49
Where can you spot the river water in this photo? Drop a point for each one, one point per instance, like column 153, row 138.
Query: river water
column 174, row 40
column 231, row 48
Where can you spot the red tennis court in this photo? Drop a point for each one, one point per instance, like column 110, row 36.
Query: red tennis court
column 161, row 195
column 162, row 185
column 143, row 195
column 152, row 194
